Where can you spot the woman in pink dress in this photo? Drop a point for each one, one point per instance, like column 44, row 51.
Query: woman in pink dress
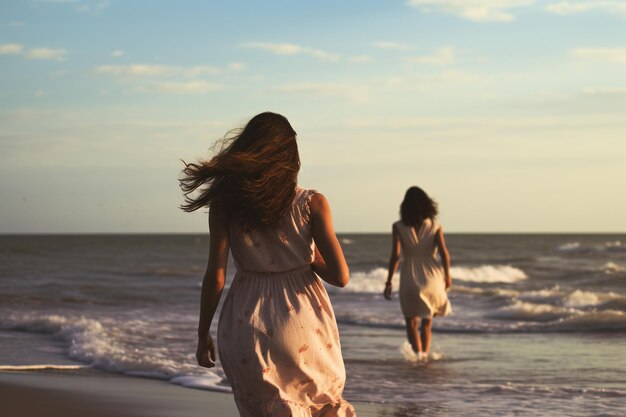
column 277, row 336
column 418, row 237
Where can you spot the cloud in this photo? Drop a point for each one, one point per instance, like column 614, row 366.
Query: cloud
column 485, row 126
column 143, row 70
column 444, row 78
column 46, row 53
column 117, row 53
column 392, row 45
column 442, row 56
column 476, row 10
column 352, row 92
column 293, row 49
column 34, row 53
column 570, row 7
column 605, row 92
column 613, row 55
column 92, row 7
column 188, row 87
column 359, row 59
column 163, row 79
column 10, row 49
column 82, row 6
column 237, row 66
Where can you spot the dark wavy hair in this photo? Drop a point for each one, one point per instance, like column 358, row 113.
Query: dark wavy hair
column 416, row 207
column 252, row 178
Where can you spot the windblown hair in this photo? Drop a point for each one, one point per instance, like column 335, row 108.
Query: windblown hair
column 416, row 207
column 253, row 177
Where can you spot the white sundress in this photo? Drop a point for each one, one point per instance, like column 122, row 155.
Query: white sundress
column 422, row 285
column 277, row 336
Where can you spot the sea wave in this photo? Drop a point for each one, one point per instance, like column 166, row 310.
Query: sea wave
column 576, row 247
column 40, row 367
column 553, row 295
column 573, row 247
column 611, row 268
column 595, row 321
column 519, row 317
column 486, row 291
column 615, row 246
column 531, row 312
column 96, row 343
column 373, row 281
column 551, row 309
column 488, row 274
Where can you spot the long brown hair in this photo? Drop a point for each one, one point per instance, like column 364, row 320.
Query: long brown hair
column 253, row 177
column 416, row 207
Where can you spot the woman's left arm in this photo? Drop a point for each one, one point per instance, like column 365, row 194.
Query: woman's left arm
column 445, row 256
column 212, row 285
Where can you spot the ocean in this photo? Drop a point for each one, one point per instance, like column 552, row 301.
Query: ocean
column 538, row 325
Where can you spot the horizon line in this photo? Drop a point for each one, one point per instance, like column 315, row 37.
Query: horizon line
column 42, row 234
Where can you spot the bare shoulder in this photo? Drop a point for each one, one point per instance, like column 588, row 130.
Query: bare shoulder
column 319, row 203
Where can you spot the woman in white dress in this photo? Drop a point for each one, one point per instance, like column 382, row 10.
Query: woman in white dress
column 424, row 280
column 277, row 336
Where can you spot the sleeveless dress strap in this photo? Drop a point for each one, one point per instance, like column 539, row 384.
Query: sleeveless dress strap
column 303, row 203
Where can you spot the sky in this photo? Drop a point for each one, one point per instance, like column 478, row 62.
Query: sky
column 511, row 114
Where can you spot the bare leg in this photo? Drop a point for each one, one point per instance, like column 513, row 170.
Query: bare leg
column 426, row 334
column 412, row 333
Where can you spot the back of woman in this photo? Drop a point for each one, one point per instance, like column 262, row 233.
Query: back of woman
column 424, row 280
column 421, row 276
column 418, row 241
column 278, row 340
column 286, row 246
column 277, row 336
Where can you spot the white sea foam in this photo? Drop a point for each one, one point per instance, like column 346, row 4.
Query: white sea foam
column 369, row 282
column 410, row 356
column 613, row 268
column 208, row 382
column 615, row 246
column 551, row 295
column 373, row 281
column 347, row 241
column 572, row 247
column 577, row 247
column 488, row 274
column 40, row 367
column 531, row 312
column 112, row 347
column 581, row 299
column 494, row 292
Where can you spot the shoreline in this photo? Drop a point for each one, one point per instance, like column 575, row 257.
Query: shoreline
column 94, row 393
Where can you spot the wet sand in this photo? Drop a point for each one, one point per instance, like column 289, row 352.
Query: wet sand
column 98, row 394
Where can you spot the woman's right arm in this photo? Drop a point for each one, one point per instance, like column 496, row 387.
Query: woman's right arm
column 212, row 285
column 329, row 263
column 445, row 257
column 393, row 261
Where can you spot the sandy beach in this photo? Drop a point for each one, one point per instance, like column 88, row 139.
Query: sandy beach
column 98, row 394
